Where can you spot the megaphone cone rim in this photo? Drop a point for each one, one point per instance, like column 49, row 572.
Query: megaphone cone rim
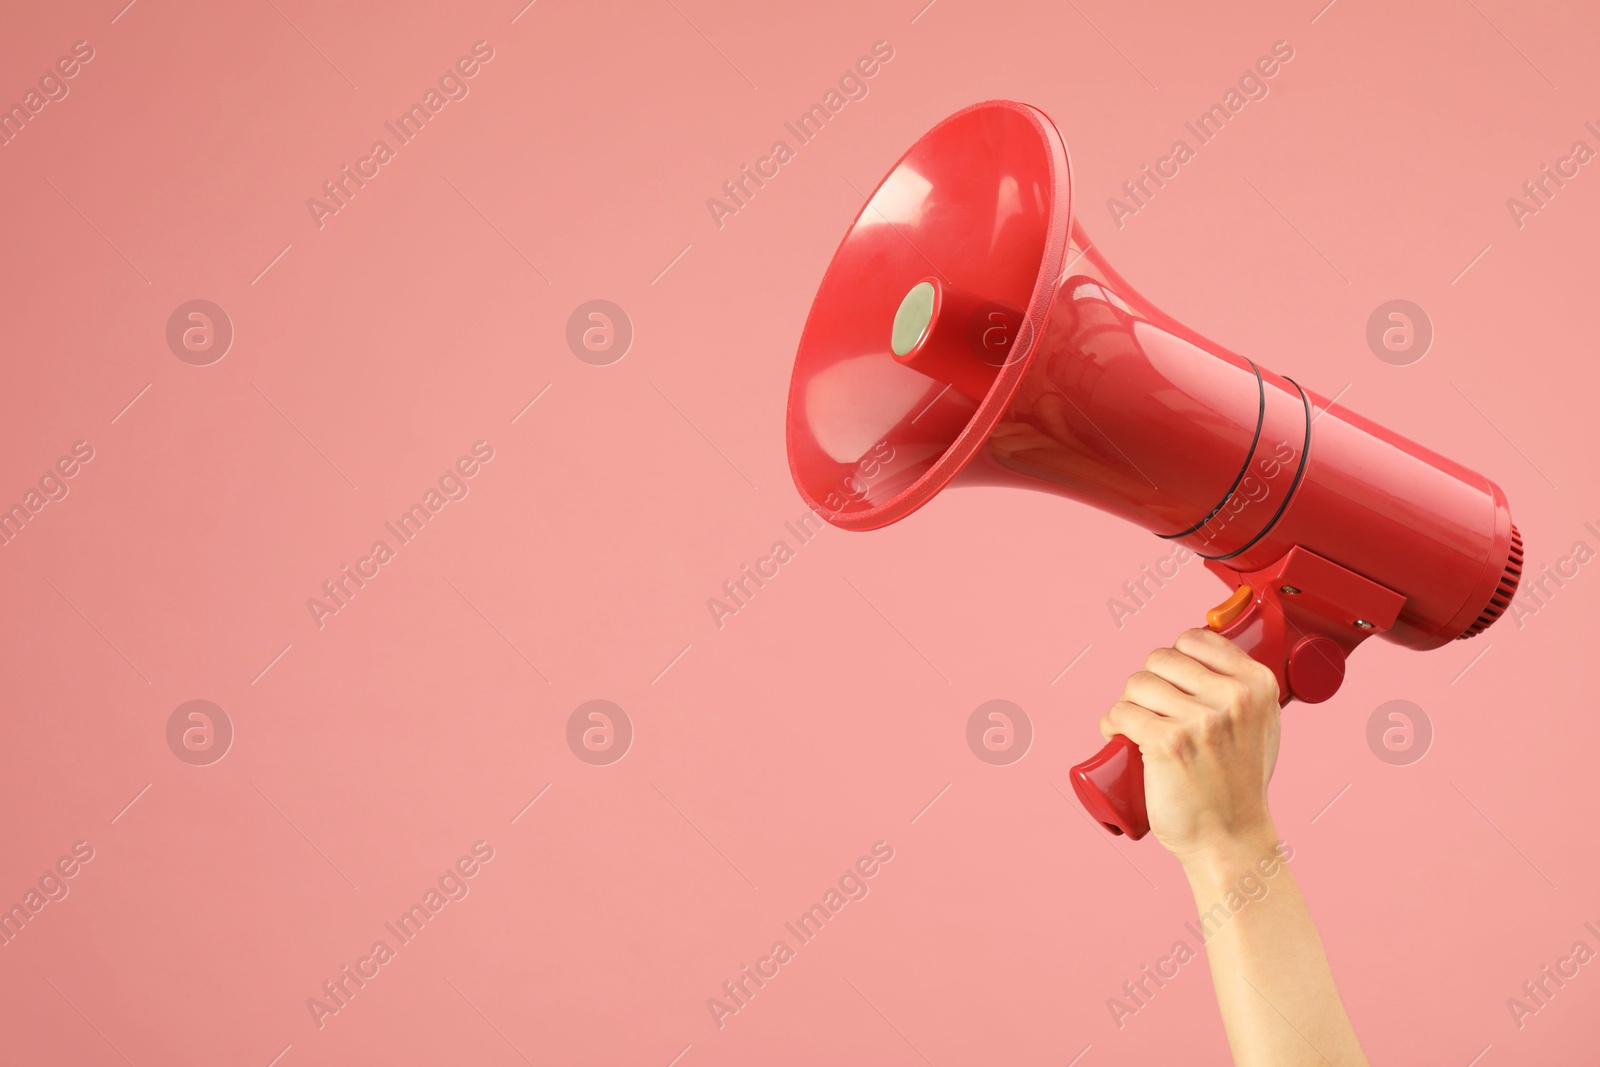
column 965, row 447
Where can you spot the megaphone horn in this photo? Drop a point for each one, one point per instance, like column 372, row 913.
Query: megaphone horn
column 967, row 332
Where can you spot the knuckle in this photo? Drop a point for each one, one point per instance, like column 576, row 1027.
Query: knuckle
column 1260, row 679
column 1237, row 696
column 1176, row 745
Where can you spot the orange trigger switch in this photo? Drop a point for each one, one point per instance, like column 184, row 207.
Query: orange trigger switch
column 1221, row 617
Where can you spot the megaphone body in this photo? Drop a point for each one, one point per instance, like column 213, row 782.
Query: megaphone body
column 967, row 332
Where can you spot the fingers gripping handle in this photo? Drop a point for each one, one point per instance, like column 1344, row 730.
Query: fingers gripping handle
column 1111, row 784
column 1300, row 616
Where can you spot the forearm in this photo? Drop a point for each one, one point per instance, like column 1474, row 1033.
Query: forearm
column 1274, row 988
column 1205, row 718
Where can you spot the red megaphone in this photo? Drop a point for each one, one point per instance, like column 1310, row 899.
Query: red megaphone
column 967, row 332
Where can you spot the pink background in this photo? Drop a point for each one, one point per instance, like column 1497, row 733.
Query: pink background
column 768, row 755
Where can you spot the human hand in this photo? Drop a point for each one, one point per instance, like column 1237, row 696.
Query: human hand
column 1205, row 717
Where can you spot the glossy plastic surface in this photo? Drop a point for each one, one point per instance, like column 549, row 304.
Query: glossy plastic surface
column 980, row 205
column 1073, row 383
column 1110, row 786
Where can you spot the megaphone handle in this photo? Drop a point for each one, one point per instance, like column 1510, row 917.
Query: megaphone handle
column 1110, row 785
